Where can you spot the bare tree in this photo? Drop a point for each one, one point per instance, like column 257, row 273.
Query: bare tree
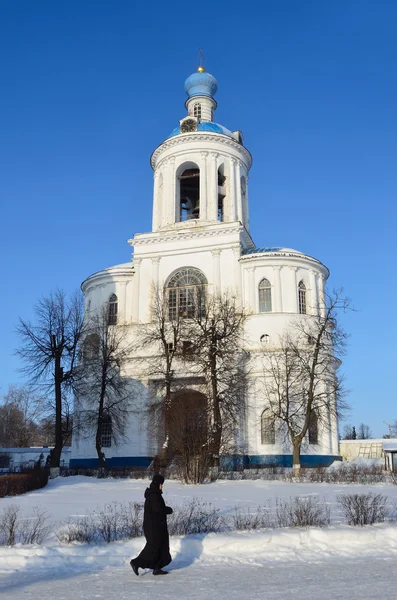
column 104, row 395
column 20, row 412
column 198, row 374
column 49, row 349
column 303, row 390
column 163, row 339
column 215, row 335
column 364, row 432
column 349, row 433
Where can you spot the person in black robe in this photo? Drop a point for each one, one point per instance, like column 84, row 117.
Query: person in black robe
column 156, row 553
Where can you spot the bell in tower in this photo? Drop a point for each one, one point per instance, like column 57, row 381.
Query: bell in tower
column 189, row 182
column 201, row 167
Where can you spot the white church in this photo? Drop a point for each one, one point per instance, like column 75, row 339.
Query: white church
column 201, row 237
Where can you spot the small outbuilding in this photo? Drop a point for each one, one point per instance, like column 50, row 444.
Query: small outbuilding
column 390, row 453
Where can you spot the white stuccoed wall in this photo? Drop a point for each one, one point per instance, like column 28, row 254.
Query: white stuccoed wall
column 217, row 249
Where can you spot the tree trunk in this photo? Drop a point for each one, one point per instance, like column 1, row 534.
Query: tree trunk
column 98, row 436
column 296, row 459
column 216, row 414
column 166, row 450
column 57, row 450
column 98, row 446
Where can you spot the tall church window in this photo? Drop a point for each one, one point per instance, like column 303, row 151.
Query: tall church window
column 91, row 347
column 112, row 310
column 268, row 430
column 197, row 110
column 185, row 293
column 302, row 298
column 189, row 193
column 106, row 431
column 313, row 429
column 265, row 296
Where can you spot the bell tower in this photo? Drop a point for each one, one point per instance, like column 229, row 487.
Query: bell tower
column 201, row 169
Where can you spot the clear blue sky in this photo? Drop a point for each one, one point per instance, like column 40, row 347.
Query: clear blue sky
column 90, row 88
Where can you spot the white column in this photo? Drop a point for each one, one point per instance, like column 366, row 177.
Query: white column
column 237, row 272
column 313, row 293
column 136, row 284
column 239, row 203
column 295, row 307
column 212, row 187
column 321, row 294
column 128, row 305
column 121, row 296
column 156, row 203
column 171, row 176
column 246, row 217
column 232, row 190
column 216, row 270
column 155, row 271
column 278, row 301
column 169, row 190
column 154, row 288
column 203, row 186
column 166, row 192
column 251, row 288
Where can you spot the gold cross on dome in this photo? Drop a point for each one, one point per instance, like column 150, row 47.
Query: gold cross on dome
column 201, row 68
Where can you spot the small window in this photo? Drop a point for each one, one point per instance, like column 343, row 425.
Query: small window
column 268, row 430
column 113, row 307
column 197, row 110
column 313, row 429
column 187, row 348
column 170, row 346
column 265, row 296
column 5, row 461
column 265, row 339
column 302, row 298
column 106, row 431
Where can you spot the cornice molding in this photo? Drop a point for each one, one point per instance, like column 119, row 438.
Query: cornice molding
column 114, row 274
column 199, row 138
column 289, row 255
column 190, row 234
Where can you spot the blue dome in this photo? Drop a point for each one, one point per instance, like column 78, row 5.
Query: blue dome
column 207, row 126
column 201, row 84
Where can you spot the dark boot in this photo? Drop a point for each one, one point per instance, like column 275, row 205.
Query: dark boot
column 160, row 572
column 134, row 567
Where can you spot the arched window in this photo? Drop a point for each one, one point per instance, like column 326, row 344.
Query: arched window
column 106, row 430
column 265, row 296
column 188, row 186
column 186, row 293
column 302, row 297
column 91, row 347
column 112, row 310
column 197, row 110
column 313, row 429
column 268, row 430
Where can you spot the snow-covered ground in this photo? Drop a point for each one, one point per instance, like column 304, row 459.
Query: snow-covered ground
column 338, row 562
column 74, row 496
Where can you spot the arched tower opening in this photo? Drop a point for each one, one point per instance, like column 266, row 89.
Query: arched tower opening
column 188, row 192
column 221, row 193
